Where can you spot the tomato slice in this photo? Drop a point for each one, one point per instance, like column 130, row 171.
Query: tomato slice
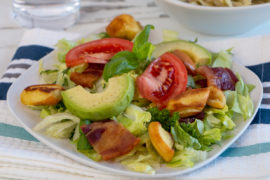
column 98, row 51
column 163, row 79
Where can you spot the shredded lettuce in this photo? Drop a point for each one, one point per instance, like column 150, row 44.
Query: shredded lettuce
column 76, row 134
column 135, row 119
column 187, row 157
column 239, row 101
column 142, row 158
column 136, row 165
column 54, row 119
column 170, row 35
column 211, row 136
column 61, row 129
column 49, row 76
column 195, row 129
column 222, row 59
column 182, row 137
column 219, row 118
column 49, row 110
column 63, row 46
column 91, row 153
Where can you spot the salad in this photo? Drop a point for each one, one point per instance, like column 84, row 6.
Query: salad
column 117, row 97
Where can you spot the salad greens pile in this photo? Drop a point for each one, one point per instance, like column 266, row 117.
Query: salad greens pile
column 192, row 140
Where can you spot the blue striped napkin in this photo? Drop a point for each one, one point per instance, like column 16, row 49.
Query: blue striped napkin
column 249, row 156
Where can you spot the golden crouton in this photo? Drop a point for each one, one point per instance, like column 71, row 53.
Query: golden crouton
column 161, row 140
column 41, row 95
column 216, row 98
column 123, row 26
column 190, row 102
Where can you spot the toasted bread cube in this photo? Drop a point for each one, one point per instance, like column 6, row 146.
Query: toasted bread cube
column 216, row 98
column 41, row 95
column 190, row 102
column 161, row 140
column 123, row 26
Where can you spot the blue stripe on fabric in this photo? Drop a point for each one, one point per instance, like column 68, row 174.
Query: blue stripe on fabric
column 3, row 90
column 257, row 69
column 33, row 52
column 256, row 119
column 266, row 74
column 15, row 132
column 262, row 117
column 246, row 150
column 262, row 71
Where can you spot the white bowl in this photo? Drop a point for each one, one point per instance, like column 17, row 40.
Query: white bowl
column 217, row 20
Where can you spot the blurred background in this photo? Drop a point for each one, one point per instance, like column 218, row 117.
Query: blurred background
column 91, row 11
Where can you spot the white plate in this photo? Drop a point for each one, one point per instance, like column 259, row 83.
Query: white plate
column 29, row 118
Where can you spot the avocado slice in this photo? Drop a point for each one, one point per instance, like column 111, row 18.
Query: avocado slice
column 113, row 100
column 197, row 53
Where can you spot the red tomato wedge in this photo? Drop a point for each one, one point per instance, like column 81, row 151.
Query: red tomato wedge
column 98, row 51
column 163, row 79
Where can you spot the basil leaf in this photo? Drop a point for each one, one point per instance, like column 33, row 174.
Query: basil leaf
column 142, row 48
column 83, row 143
column 125, row 61
column 122, row 62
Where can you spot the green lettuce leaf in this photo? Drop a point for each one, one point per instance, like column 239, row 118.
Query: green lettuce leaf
column 182, row 137
column 135, row 119
column 61, row 129
column 91, row 153
column 83, row 145
column 239, row 101
column 55, row 118
column 170, row 35
column 211, row 136
column 195, row 129
column 187, row 157
column 222, row 59
column 219, row 118
column 63, row 46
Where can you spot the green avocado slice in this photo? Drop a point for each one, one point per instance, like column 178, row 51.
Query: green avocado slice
column 113, row 100
column 197, row 53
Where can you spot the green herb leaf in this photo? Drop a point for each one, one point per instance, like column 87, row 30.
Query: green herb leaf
column 83, row 143
column 103, row 35
column 164, row 117
column 122, row 62
column 182, row 137
column 142, row 48
column 125, row 61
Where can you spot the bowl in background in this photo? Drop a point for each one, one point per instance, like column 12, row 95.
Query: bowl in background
column 217, row 20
